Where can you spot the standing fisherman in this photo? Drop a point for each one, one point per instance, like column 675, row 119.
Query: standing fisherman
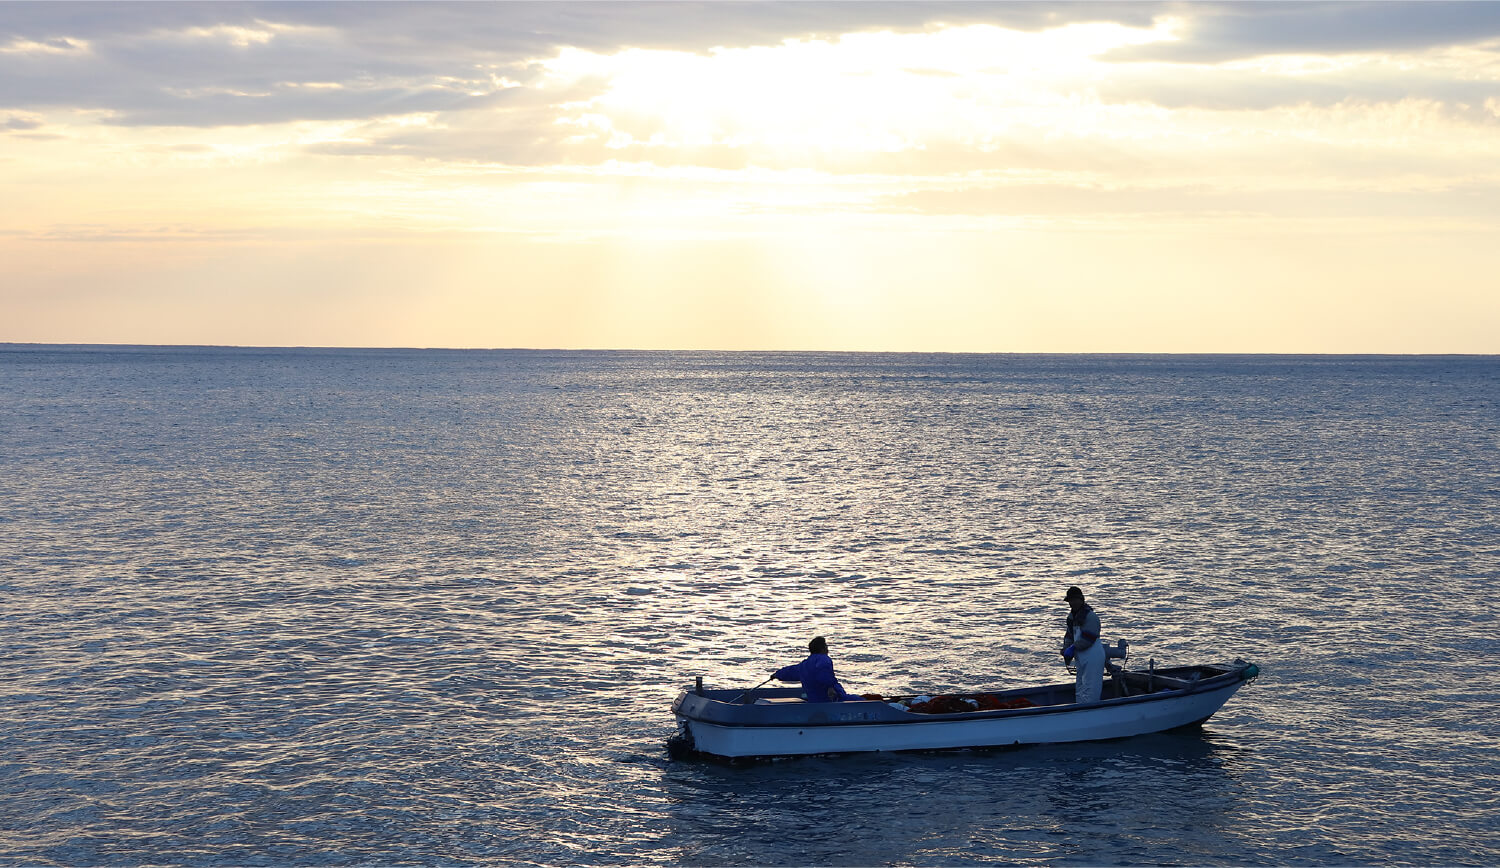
column 1082, row 642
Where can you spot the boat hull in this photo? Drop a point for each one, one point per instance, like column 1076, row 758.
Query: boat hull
column 779, row 725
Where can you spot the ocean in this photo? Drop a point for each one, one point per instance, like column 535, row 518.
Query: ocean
column 421, row 607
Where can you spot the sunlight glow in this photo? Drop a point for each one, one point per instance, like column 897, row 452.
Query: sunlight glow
column 877, row 92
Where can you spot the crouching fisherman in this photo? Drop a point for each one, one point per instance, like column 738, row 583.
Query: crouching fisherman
column 816, row 675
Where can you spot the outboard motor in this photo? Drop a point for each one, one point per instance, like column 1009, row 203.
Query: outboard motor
column 682, row 745
column 1116, row 672
column 1112, row 652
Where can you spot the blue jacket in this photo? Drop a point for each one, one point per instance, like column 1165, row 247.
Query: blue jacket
column 816, row 675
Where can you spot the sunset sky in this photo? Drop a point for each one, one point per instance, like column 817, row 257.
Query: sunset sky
column 1008, row 177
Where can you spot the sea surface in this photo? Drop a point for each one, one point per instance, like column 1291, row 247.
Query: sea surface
column 403, row 607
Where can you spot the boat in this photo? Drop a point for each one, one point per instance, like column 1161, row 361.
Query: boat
column 766, row 723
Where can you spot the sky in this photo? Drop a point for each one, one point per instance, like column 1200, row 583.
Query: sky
column 1174, row 177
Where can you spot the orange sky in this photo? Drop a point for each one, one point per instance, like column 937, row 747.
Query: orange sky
column 970, row 177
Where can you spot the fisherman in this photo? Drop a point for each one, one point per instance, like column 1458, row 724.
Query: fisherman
column 816, row 675
column 1082, row 642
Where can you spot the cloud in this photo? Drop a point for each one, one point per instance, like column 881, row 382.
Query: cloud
column 1219, row 32
column 213, row 64
column 218, row 72
column 477, row 71
column 280, row 105
column 98, row 234
column 1238, row 89
column 1479, row 203
column 530, row 29
column 226, row 64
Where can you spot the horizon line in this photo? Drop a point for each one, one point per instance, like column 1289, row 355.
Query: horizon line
column 8, row 345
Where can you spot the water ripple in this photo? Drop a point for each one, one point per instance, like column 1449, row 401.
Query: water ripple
column 384, row 607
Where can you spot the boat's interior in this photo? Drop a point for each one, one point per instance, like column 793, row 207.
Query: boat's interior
column 1118, row 683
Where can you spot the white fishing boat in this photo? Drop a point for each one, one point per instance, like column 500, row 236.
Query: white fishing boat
column 778, row 722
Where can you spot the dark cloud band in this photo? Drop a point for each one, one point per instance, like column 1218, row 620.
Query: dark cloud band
column 224, row 64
